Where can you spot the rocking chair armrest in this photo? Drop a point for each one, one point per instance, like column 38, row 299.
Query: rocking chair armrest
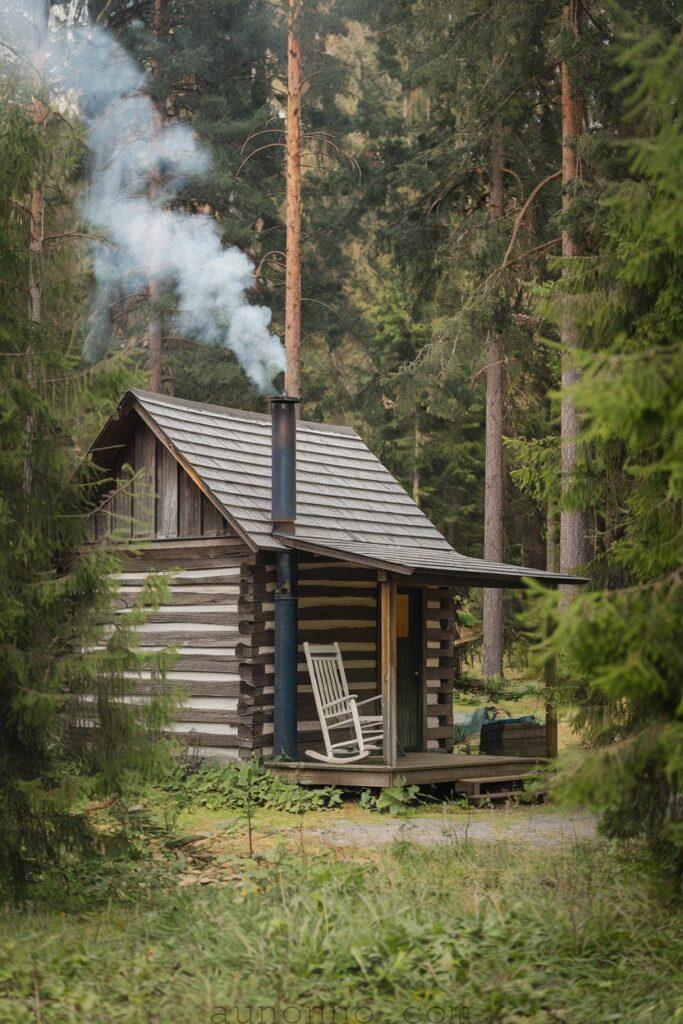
column 341, row 701
column 368, row 700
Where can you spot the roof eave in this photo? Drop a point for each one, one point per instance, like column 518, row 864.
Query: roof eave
column 418, row 576
column 292, row 541
column 493, row 581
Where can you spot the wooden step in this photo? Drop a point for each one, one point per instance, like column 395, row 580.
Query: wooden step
column 512, row 777
column 472, row 786
column 509, row 794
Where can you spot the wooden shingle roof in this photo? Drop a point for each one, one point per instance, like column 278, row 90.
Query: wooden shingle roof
column 348, row 504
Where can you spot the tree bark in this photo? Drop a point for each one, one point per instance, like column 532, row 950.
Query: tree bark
column 39, row 114
column 492, row 659
column 35, row 243
column 156, row 379
column 416, row 459
column 573, row 522
column 154, row 333
column 551, row 538
column 549, row 668
column 293, row 215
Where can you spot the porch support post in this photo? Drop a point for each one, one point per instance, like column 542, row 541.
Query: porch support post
column 387, row 595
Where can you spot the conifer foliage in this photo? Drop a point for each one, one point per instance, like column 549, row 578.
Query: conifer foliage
column 62, row 668
column 622, row 645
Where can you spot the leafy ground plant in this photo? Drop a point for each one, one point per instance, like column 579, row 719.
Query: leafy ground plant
column 245, row 785
column 394, row 800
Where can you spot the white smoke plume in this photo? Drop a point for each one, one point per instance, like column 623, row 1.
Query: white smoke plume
column 148, row 240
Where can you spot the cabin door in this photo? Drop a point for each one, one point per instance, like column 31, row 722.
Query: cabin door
column 409, row 692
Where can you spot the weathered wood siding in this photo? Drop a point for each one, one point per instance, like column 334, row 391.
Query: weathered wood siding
column 337, row 602
column 439, row 634
column 203, row 619
column 256, row 655
column 153, row 497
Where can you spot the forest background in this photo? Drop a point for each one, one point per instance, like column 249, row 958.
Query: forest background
column 450, row 260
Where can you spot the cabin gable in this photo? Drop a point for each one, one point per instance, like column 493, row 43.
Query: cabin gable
column 150, row 495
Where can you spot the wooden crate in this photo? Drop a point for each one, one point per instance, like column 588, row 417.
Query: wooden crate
column 512, row 739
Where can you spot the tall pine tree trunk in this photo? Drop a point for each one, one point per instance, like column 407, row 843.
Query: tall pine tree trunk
column 416, row 458
column 551, row 538
column 39, row 114
column 35, row 300
column 573, row 522
column 549, row 668
column 156, row 380
column 293, row 175
column 492, row 660
column 35, row 242
column 154, row 330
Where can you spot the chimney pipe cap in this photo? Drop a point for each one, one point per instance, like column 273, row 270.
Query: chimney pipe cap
column 284, row 400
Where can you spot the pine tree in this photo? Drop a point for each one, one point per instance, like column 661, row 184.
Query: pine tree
column 492, row 618
column 470, row 192
column 293, row 201
column 62, row 667
column 156, row 373
column 620, row 646
column 574, row 548
column 219, row 69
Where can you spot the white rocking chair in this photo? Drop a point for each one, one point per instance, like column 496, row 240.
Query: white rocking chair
column 338, row 709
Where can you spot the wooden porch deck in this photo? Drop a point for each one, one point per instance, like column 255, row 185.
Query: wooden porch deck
column 417, row 769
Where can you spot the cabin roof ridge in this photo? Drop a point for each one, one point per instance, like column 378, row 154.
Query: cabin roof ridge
column 229, row 412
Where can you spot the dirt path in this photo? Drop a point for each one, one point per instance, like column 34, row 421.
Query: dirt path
column 556, row 830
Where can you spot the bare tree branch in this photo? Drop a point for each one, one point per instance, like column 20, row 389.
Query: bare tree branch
column 520, row 216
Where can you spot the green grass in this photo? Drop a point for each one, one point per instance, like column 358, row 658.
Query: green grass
column 531, row 703
column 500, row 934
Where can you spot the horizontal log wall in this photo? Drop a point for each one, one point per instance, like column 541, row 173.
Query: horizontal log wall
column 337, row 602
column 438, row 616
column 206, row 622
column 219, row 616
column 220, row 613
column 255, row 653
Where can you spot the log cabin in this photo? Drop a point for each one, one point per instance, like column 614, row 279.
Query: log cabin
column 278, row 531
